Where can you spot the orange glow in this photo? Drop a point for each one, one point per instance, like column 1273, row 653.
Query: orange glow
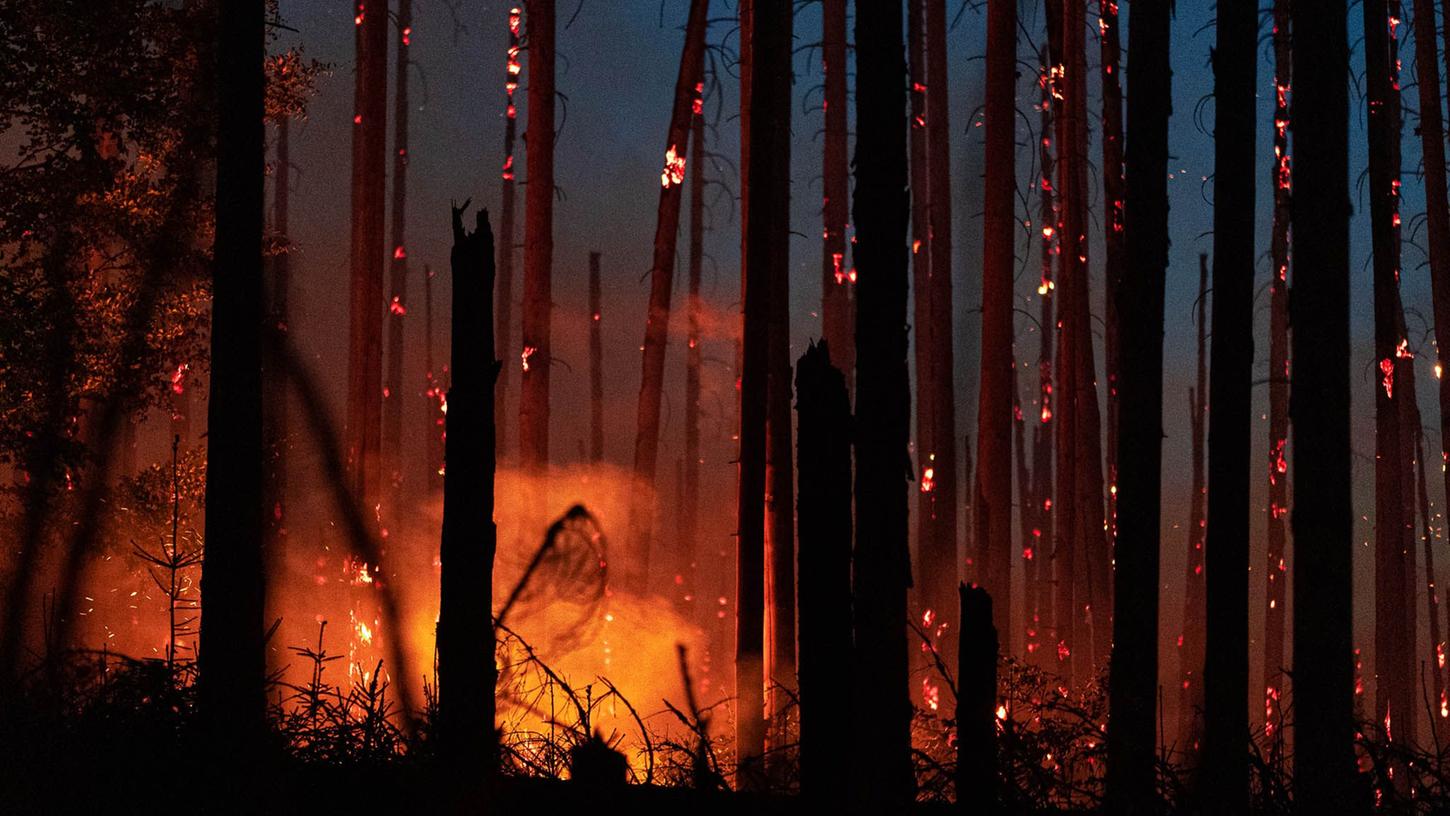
column 674, row 171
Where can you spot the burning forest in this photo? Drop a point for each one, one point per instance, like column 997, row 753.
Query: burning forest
column 747, row 406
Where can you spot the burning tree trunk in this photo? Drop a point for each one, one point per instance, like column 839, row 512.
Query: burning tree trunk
column 466, row 673
column 504, row 300
column 1042, row 626
column 1437, row 211
column 882, row 573
column 688, row 85
column 274, row 405
column 1441, row 703
column 596, row 362
column 1133, row 682
column 398, row 271
column 1027, row 519
column 940, row 562
column 992, row 527
column 1114, row 258
column 1226, row 665
column 232, row 697
column 977, row 781
column 1276, row 594
column 1191, row 635
column 1324, row 766
column 1394, row 645
column 694, row 357
column 433, row 393
column 754, row 360
column 534, row 355
column 835, row 183
column 824, row 446
column 921, row 327
column 365, row 349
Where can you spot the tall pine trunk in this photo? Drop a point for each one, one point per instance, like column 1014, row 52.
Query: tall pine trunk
column 1133, row 682
column 1042, row 626
column 992, row 525
column 689, row 592
column 662, row 281
column 596, row 361
column 835, row 182
column 824, row 445
column 231, row 692
column 1114, row 257
column 882, row 568
column 1231, row 361
column 398, row 271
column 1396, row 705
column 504, row 299
column 276, row 420
column 1275, row 565
column 466, row 673
column 921, row 326
column 1191, row 634
column 1324, row 765
column 433, row 393
column 365, row 339
column 754, row 359
column 534, row 355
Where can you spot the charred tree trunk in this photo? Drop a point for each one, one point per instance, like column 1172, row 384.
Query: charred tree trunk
column 1441, row 704
column 1191, row 635
column 882, row 565
column 1394, row 646
column 504, row 299
column 1027, row 519
column 1437, row 210
column 1224, row 786
column 433, row 445
column 466, row 673
column 274, row 398
column 1042, row 630
column 1114, row 255
column 1275, row 566
column 398, row 271
column 662, row 280
column 535, row 354
column 1324, row 767
column 1133, row 681
column 596, row 362
column 824, row 445
column 977, row 778
column 754, row 360
column 921, row 328
column 231, row 692
column 773, row 110
column 365, row 340
column 992, row 527
column 689, row 593
column 836, row 322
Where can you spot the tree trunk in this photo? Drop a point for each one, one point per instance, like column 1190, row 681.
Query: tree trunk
column 1440, row 702
column 1276, row 594
column 398, row 271
column 689, row 591
column 596, row 362
column 1044, row 622
column 824, row 446
column 1027, row 518
column 1133, row 680
column 466, row 673
column 882, row 571
column 535, row 353
column 977, row 779
column 274, row 399
column 365, row 341
column 433, row 446
column 754, row 359
column 1191, row 635
column 923, row 342
column 992, row 528
column 1324, row 765
column 1226, row 664
column 657, row 322
column 231, row 691
column 1437, row 211
column 836, row 322
column 1395, row 705
column 504, row 299
column 1114, row 257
